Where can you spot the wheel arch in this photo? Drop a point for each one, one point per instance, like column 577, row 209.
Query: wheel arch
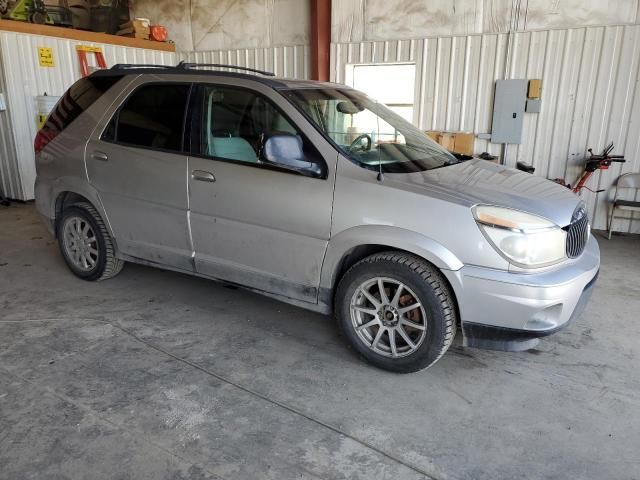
column 67, row 193
column 352, row 245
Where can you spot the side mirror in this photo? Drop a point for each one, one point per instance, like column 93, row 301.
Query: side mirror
column 286, row 150
column 348, row 108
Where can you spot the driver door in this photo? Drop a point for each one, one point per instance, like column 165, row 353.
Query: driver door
column 254, row 223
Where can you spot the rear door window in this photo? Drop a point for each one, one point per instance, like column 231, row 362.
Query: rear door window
column 152, row 117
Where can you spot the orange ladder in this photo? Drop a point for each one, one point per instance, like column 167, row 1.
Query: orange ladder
column 82, row 56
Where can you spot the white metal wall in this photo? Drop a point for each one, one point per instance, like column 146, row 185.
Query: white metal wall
column 25, row 79
column 590, row 78
column 286, row 61
column 589, row 84
column 10, row 184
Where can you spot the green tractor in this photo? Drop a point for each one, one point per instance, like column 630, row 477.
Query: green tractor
column 35, row 11
column 32, row 11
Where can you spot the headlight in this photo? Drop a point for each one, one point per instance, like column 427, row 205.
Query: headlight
column 524, row 239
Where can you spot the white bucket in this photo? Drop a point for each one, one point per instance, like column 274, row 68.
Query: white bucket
column 46, row 103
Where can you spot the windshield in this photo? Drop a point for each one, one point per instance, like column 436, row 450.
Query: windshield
column 368, row 132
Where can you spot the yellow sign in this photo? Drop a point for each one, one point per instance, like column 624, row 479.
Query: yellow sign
column 45, row 57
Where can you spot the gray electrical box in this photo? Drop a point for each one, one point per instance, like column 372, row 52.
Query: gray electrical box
column 508, row 111
column 533, row 105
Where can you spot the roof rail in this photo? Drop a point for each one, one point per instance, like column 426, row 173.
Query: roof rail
column 190, row 66
column 126, row 66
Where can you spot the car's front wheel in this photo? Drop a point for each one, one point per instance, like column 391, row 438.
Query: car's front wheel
column 85, row 243
column 397, row 311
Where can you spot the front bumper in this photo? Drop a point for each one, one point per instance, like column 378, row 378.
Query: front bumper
column 500, row 310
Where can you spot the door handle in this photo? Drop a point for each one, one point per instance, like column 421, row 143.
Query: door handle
column 100, row 156
column 203, row 176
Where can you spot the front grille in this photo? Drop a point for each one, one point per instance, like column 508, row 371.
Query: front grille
column 577, row 233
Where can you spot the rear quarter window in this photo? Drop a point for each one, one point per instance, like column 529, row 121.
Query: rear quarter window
column 76, row 100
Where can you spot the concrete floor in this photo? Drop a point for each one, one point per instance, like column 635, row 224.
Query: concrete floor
column 158, row 375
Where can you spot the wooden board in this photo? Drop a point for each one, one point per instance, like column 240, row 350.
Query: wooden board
column 81, row 35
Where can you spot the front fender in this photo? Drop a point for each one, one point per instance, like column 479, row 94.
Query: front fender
column 392, row 237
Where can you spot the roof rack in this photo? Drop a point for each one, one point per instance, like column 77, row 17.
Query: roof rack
column 190, row 66
column 126, row 66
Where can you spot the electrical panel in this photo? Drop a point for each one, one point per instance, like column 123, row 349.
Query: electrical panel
column 508, row 111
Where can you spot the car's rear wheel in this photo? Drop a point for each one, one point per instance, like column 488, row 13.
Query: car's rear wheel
column 85, row 243
column 397, row 311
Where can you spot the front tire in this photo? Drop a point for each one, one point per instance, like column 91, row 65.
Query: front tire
column 397, row 311
column 85, row 243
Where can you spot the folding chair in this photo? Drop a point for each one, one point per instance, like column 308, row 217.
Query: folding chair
column 628, row 181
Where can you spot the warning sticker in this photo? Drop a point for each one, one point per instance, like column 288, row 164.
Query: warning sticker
column 45, row 57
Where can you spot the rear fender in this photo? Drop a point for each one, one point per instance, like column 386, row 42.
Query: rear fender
column 81, row 187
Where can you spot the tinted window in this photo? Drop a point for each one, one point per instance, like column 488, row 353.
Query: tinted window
column 234, row 123
column 77, row 99
column 152, row 117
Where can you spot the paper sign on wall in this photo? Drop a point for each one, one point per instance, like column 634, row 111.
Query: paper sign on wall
column 45, row 57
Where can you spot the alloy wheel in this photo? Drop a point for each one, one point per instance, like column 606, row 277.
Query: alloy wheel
column 388, row 317
column 80, row 243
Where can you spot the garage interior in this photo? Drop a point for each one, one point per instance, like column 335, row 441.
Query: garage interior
column 155, row 374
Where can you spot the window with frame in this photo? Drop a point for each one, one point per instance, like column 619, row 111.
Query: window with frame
column 82, row 94
column 152, row 117
column 376, row 79
column 234, row 124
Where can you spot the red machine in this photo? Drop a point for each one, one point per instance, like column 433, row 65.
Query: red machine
column 594, row 162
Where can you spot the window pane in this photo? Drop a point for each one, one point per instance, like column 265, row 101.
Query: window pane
column 405, row 112
column 77, row 99
column 236, row 122
column 373, row 135
column 389, row 84
column 153, row 117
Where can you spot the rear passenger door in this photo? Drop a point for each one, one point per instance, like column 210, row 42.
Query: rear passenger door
column 252, row 222
column 137, row 162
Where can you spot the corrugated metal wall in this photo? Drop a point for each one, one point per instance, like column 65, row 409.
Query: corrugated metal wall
column 287, row 61
column 590, row 78
column 10, row 182
column 589, row 84
column 25, row 79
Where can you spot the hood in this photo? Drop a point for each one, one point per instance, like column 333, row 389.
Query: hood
column 482, row 182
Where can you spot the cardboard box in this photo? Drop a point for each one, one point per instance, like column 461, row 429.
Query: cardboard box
column 464, row 143
column 457, row 142
column 141, row 31
column 136, row 23
column 433, row 135
column 447, row 140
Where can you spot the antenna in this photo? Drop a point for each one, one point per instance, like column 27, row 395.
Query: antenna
column 380, row 176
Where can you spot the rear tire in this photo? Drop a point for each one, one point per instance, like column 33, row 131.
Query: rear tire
column 409, row 326
column 85, row 243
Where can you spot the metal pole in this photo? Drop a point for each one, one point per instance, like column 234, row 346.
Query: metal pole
column 320, row 39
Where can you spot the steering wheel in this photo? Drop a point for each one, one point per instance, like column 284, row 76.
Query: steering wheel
column 354, row 144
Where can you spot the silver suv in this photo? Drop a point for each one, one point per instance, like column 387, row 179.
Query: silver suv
column 314, row 194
